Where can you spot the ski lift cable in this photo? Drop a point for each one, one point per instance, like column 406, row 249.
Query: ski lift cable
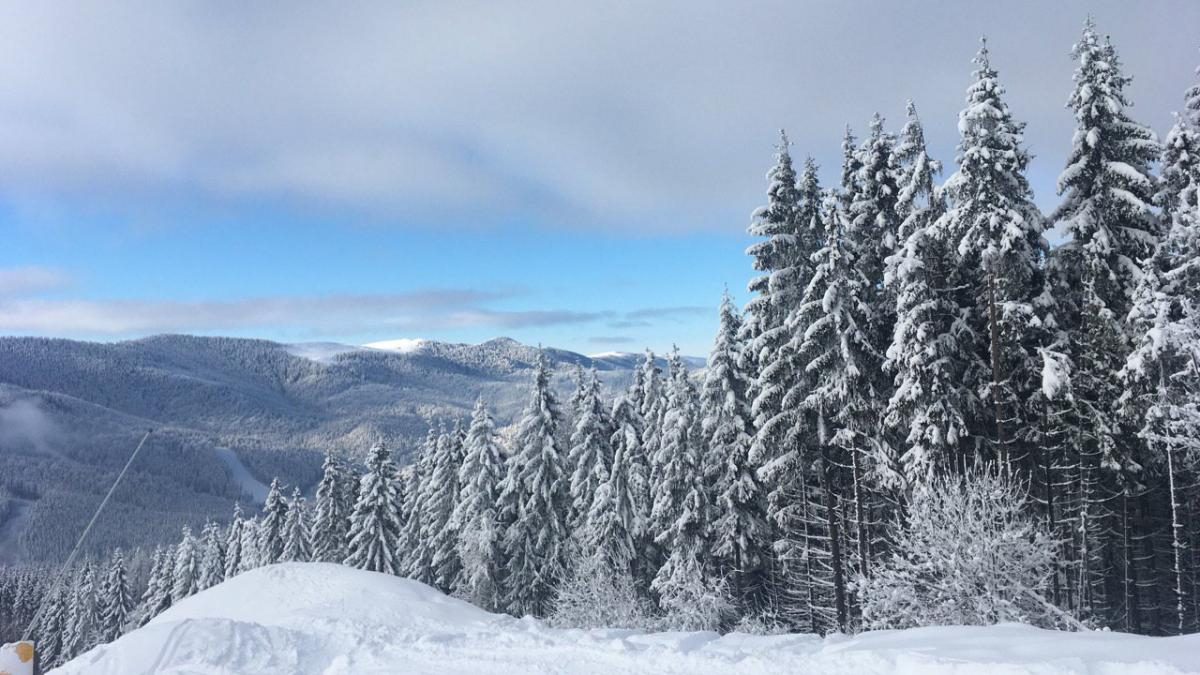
column 79, row 544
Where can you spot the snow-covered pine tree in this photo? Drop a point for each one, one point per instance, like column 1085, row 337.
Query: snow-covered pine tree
column 297, row 545
column 330, row 524
column 739, row 532
column 374, row 522
column 440, row 497
column 534, row 499
column 251, row 545
column 185, row 574
column 118, row 603
column 590, row 455
column 650, row 400
column 233, row 543
column 831, row 330
column 271, row 527
column 80, row 633
column 212, row 557
column 931, row 346
column 475, row 518
column 615, row 518
column 1107, row 193
column 997, row 231
column 676, row 463
column 157, row 596
column 51, row 628
column 874, row 225
column 1161, row 398
column 626, row 442
column 775, row 254
column 417, row 556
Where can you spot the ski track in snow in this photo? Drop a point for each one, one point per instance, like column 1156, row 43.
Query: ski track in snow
column 245, row 480
column 321, row 619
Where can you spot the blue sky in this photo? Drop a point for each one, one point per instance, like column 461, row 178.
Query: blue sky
column 570, row 174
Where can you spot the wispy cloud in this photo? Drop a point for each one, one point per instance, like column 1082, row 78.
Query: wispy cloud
column 31, row 280
column 427, row 310
column 610, row 339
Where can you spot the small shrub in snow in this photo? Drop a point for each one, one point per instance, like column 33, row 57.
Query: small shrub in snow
column 596, row 596
column 968, row 553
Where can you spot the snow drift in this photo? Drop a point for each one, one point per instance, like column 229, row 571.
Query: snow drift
column 315, row 618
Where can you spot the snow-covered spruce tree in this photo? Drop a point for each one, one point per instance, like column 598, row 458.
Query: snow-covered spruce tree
column 602, row 588
column 1161, row 397
column 374, row 522
column 297, row 546
column 689, row 591
column 475, row 518
column 80, row 633
column 591, row 453
column 967, row 552
column 185, row 574
column 417, row 554
column 157, row 596
column 997, row 229
column 739, row 532
column 51, row 628
column 330, row 518
column 233, row 543
column 271, row 527
column 874, row 225
column 931, row 346
column 775, row 254
column 440, row 495
column 212, row 557
column 251, row 545
column 1108, row 192
column 627, row 446
column 831, row 335
column 676, row 463
column 534, row 500
column 117, row 605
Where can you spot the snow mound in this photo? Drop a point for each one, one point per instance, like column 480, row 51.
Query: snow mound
column 322, row 619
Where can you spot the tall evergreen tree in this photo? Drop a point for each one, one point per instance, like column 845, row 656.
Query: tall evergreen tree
column 233, row 543
column 1106, row 210
column 677, row 461
column 330, row 518
column 80, row 633
column 157, row 596
column 185, row 579
column 118, row 602
column 271, row 527
column 374, row 523
column 590, row 456
column 997, row 231
column 475, row 518
column 534, row 499
column 297, row 545
column 417, row 551
column 441, row 492
column 212, row 557
column 739, row 531
column 931, row 345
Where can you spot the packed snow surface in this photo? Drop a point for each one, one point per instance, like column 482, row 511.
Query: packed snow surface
column 315, row 618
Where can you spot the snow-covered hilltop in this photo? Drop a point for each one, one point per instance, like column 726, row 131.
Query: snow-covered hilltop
column 314, row 618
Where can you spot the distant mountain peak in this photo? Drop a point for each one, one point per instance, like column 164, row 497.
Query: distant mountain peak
column 402, row 345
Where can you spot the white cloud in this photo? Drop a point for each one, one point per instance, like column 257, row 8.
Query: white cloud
column 617, row 114
column 31, row 279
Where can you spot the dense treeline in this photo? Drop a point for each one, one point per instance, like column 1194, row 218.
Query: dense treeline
column 925, row 414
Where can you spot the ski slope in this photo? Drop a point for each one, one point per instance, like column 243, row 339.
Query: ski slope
column 314, row 618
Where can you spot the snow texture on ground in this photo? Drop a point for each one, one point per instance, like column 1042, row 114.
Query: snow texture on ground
column 314, row 618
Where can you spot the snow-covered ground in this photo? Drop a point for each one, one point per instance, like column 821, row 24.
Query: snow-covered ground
column 312, row 618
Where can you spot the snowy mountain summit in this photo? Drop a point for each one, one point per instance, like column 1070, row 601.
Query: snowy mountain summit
column 317, row 618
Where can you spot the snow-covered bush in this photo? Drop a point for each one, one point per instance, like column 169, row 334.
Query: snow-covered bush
column 968, row 553
column 595, row 596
